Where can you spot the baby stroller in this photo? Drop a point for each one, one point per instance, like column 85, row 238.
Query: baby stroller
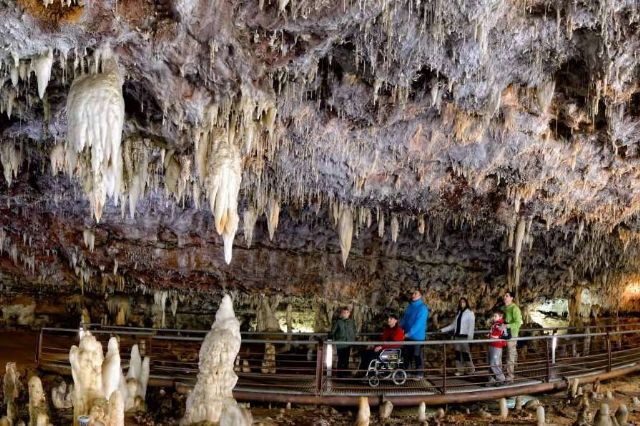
column 387, row 366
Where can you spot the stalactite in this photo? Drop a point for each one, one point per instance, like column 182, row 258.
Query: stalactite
column 345, row 230
column 395, row 228
column 95, row 114
column 519, row 238
column 11, row 158
column 273, row 216
column 248, row 224
column 42, row 65
column 89, row 239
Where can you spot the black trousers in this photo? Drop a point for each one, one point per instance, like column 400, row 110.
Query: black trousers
column 366, row 356
column 343, row 361
column 413, row 355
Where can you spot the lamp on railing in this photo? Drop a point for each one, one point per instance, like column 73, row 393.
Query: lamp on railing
column 554, row 345
column 328, row 357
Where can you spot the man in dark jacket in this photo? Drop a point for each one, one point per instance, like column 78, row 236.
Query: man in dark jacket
column 343, row 330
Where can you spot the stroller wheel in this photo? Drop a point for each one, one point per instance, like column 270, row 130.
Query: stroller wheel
column 374, row 381
column 399, row 377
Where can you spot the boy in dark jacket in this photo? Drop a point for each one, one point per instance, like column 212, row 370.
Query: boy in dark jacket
column 495, row 348
column 343, row 330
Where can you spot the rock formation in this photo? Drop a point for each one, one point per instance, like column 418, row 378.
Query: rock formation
column 100, row 388
column 61, row 396
column 364, row 412
column 11, row 390
column 212, row 394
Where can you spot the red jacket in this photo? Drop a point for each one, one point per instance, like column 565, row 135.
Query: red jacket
column 395, row 334
column 496, row 333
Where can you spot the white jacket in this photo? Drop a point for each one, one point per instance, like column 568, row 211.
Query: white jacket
column 467, row 324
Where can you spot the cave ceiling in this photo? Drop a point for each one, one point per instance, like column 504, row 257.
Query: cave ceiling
column 452, row 144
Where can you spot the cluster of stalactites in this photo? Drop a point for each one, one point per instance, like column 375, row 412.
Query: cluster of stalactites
column 95, row 112
column 232, row 129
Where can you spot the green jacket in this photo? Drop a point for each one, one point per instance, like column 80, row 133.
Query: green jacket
column 513, row 318
column 343, row 330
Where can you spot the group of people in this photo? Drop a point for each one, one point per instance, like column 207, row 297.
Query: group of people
column 505, row 327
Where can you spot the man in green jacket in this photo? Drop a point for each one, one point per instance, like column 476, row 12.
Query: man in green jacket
column 513, row 320
column 343, row 330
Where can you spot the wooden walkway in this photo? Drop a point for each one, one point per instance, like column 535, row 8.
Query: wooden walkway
column 304, row 369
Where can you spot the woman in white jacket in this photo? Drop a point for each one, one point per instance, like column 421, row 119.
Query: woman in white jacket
column 462, row 328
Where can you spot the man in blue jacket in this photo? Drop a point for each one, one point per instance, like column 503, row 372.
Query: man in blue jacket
column 414, row 323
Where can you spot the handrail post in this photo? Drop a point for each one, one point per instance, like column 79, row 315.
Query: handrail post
column 444, row 369
column 319, row 367
column 548, row 360
column 608, row 351
column 39, row 349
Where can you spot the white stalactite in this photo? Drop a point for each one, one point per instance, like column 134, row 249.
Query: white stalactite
column 42, row 67
column 345, row 230
column 212, row 393
column 248, row 224
column 395, row 228
column 95, row 112
column 519, row 238
column 222, row 185
column 273, row 216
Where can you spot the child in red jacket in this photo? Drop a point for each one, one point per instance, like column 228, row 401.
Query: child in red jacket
column 392, row 333
column 495, row 348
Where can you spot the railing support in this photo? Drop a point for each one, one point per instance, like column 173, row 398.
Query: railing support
column 319, row 367
column 444, row 369
column 39, row 348
column 608, row 352
column 548, row 351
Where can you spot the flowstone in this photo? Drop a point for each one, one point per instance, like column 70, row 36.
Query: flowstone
column 213, row 392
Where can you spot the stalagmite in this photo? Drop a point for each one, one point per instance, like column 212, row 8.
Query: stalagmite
column 364, row 412
column 385, row 410
column 111, row 369
column 540, row 418
column 216, row 378
column 37, row 403
column 380, row 224
column 61, row 396
column 86, row 368
column 95, row 115
column 116, row 410
column 518, row 403
column 273, row 216
column 504, row 410
column 602, row 416
column 11, row 389
column 42, row 66
column 269, row 359
column 345, row 229
column 622, row 415
column 422, row 412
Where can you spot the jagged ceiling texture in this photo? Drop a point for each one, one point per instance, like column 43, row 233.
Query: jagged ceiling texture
column 478, row 144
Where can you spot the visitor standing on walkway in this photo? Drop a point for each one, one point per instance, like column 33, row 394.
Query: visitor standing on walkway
column 513, row 321
column 343, row 330
column 414, row 324
column 494, row 354
column 463, row 328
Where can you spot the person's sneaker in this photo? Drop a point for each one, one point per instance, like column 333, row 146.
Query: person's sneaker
column 457, row 373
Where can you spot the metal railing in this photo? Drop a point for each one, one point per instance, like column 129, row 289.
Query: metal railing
column 273, row 366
